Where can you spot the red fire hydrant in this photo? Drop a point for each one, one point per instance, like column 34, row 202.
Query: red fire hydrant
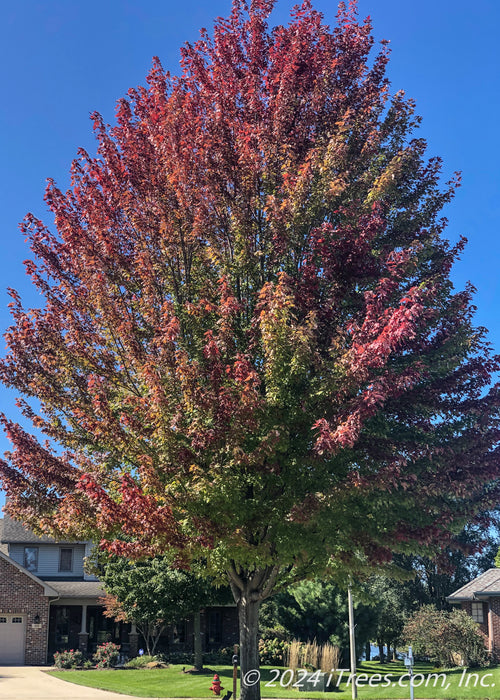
column 216, row 686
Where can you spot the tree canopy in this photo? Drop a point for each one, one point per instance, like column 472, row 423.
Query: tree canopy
column 151, row 594
column 250, row 349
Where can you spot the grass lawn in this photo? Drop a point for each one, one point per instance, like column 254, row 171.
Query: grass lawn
column 379, row 682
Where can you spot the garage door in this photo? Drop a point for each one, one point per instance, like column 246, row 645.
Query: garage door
column 11, row 639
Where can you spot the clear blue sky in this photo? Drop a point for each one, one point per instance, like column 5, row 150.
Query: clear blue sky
column 61, row 60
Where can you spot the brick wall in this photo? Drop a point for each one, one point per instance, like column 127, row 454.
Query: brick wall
column 493, row 616
column 19, row 594
column 495, row 622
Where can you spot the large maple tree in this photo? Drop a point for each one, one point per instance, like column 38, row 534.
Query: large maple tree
column 250, row 352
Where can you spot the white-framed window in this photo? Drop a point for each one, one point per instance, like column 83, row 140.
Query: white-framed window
column 31, row 558
column 477, row 612
column 66, row 559
column 3, row 619
column 17, row 619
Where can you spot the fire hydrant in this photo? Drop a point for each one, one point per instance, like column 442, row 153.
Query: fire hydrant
column 216, row 686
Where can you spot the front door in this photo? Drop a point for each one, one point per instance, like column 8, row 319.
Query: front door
column 65, row 624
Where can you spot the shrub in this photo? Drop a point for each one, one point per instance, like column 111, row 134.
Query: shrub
column 141, row 661
column 106, row 655
column 217, row 656
column 70, row 658
column 446, row 638
column 272, row 652
column 181, row 657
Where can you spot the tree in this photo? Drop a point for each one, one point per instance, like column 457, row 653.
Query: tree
column 391, row 610
column 317, row 610
column 152, row 594
column 447, row 638
column 250, row 349
column 433, row 579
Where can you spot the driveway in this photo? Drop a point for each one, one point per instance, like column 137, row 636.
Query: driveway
column 32, row 683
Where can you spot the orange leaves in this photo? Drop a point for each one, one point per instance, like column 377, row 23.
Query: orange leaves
column 249, row 278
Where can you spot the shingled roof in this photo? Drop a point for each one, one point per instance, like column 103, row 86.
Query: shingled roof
column 14, row 531
column 485, row 586
column 78, row 589
column 3, row 547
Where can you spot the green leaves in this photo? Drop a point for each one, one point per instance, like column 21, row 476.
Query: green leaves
column 249, row 343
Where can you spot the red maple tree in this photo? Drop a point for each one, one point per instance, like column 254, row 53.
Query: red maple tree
column 250, row 349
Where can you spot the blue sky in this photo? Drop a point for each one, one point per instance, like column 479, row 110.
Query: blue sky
column 61, row 60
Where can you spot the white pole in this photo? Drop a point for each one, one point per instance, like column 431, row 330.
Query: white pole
column 410, row 656
column 352, row 644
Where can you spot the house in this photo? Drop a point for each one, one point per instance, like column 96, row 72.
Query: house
column 481, row 599
column 49, row 603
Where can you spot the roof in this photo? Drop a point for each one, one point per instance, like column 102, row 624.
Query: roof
column 14, row 531
column 485, row 586
column 48, row 589
column 78, row 589
column 3, row 547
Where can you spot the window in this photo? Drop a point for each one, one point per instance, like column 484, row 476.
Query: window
column 31, row 558
column 65, row 559
column 477, row 612
column 17, row 619
column 215, row 628
column 179, row 632
column 3, row 619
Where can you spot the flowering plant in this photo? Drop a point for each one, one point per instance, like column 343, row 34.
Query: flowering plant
column 106, row 655
column 69, row 658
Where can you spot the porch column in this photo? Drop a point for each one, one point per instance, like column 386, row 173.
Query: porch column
column 133, row 640
column 83, row 637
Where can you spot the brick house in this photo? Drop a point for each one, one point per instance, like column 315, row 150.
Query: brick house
column 49, row 603
column 481, row 599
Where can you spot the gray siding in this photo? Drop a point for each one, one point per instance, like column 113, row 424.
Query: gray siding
column 48, row 559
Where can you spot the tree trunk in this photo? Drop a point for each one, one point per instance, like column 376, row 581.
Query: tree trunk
column 368, row 651
column 381, row 651
column 249, row 589
column 248, row 616
column 198, row 653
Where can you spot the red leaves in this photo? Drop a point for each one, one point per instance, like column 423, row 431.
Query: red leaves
column 247, row 302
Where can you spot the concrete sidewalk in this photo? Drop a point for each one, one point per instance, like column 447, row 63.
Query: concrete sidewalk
column 32, row 683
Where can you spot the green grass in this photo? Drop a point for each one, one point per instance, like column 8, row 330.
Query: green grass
column 392, row 685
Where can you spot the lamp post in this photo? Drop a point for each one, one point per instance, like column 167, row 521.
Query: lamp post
column 352, row 643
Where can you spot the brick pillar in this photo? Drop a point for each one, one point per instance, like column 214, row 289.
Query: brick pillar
column 83, row 642
column 83, row 637
column 133, row 640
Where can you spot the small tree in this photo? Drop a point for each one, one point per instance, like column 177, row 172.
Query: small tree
column 447, row 638
column 153, row 595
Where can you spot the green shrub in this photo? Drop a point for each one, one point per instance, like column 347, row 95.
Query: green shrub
column 106, row 655
column 141, row 661
column 218, row 656
column 180, row 657
column 70, row 658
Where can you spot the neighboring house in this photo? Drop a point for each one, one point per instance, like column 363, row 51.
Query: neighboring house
column 481, row 599
column 48, row 603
